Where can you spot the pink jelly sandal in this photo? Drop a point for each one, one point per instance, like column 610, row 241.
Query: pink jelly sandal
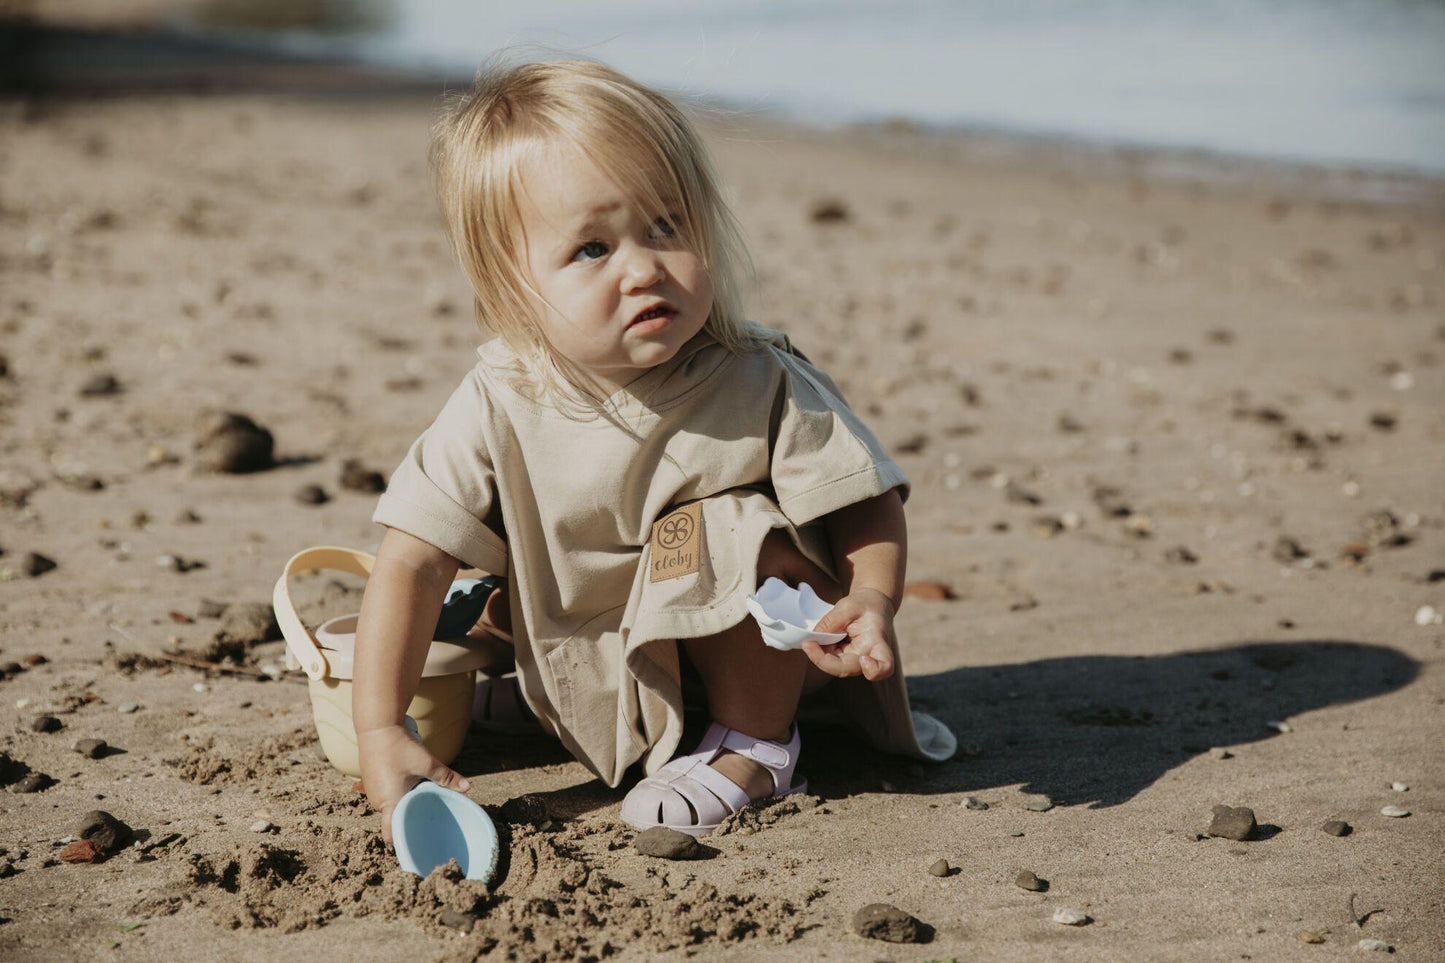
column 498, row 707
column 663, row 798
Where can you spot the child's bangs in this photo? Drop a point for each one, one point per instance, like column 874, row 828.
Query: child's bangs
column 652, row 180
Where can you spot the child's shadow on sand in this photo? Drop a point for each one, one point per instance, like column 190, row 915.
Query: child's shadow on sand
column 1098, row 729
column 1080, row 729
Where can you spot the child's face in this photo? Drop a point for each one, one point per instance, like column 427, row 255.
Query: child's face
column 601, row 265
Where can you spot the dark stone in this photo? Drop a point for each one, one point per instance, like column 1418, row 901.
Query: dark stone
column 104, row 830
column 882, row 921
column 357, row 478
column 1287, row 550
column 1027, row 880
column 32, row 782
column 46, row 724
column 312, row 495
column 665, row 843
column 233, row 443
column 99, row 385
column 1232, row 823
column 1337, row 827
column 829, row 211
column 8, row 669
column 11, row 769
column 33, row 564
column 91, row 748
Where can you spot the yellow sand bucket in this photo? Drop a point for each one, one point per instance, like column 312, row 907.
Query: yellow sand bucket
column 442, row 707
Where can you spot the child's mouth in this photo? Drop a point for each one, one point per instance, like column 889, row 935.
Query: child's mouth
column 661, row 311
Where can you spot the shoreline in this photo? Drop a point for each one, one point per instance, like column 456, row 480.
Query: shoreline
column 76, row 62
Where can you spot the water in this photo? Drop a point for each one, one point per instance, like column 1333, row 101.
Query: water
column 1333, row 82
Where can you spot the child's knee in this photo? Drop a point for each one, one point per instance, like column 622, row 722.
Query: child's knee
column 779, row 558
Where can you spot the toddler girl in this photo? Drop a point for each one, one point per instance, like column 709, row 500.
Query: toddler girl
column 635, row 458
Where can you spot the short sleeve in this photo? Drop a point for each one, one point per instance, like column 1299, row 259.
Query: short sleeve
column 444, row 491
column 823, row 457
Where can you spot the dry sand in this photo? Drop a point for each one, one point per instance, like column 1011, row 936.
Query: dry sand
column 1114, row 396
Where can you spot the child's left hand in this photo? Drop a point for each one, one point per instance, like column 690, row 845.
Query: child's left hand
column 867, row 616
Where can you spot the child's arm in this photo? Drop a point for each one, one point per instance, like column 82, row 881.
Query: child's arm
column 870, row 554
column 399, row 612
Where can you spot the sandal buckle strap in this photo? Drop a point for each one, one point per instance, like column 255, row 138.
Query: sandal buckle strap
column 769, row 754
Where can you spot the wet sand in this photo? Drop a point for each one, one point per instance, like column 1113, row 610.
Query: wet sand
column 1176, row 448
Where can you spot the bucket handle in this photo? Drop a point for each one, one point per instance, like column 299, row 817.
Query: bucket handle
column 299, row 639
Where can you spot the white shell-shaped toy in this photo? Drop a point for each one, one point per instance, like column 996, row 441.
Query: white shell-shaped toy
column 787, row 615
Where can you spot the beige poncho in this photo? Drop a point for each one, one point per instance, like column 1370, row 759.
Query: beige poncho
column 617, row 542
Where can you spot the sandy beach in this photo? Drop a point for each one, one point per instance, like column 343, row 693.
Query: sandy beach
column 1176, row 442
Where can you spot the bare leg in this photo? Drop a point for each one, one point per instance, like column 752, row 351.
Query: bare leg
column 493, row 632
column 750, row 687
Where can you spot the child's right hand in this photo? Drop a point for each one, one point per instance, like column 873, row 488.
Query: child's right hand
column 391, row 763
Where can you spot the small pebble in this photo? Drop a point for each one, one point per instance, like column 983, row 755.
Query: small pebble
column 105, row 831
column 665, row 843
column 1426, row 615
column 82, row 851
column 261, row 826
column 1394, row 812
column 91, row 748
column 1027, row 880
column 1399, row 787
column 1280, row 726
column 198, row 687
column 939, row 868
column 129, row 707
column 356, row 477
column 1232, row 822
column 1305, row 936
column 1040, row 805
column 1337, row 827
column 1221, row 753
column 313, row 495
column 1069, row 916
column 1374, row 946
column 34, row 564
column 973, row 802
column 45, row 724
column 882, row 921
column 31, row 782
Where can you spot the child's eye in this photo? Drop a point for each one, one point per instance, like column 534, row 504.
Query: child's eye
column 663, row 227
column 594, row 250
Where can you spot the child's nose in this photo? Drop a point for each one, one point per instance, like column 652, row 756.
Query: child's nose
column 644, row 269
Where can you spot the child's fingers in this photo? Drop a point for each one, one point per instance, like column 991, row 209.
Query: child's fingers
column 443, row 776
column 840, row 665
column 838, row 616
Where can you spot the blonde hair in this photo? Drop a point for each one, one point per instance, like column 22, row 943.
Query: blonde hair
column 635, row 136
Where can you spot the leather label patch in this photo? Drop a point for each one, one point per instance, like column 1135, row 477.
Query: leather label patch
column 676, row 540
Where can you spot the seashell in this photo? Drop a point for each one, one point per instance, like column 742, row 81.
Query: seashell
column 787, row 615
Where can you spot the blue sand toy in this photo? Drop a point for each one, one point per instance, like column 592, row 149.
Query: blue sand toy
column 432, row 825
